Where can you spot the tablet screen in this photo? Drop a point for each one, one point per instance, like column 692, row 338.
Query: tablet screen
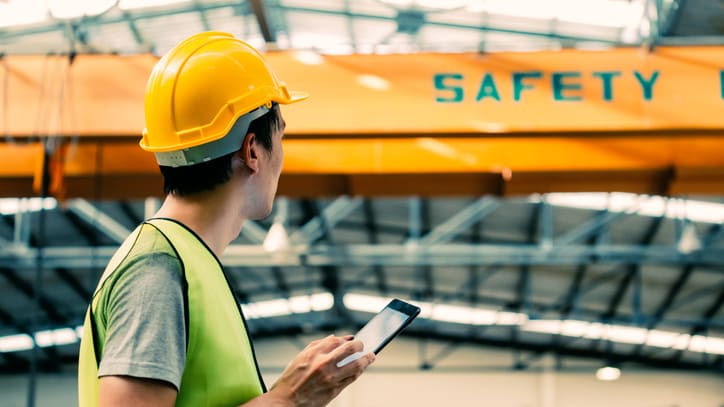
column 380, row 328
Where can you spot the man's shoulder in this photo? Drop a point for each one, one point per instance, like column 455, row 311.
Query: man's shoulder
column 150, row 251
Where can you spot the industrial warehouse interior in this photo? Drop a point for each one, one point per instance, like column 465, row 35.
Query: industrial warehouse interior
column 544, row 179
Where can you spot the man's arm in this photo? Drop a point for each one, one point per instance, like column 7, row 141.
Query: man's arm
column 145, row 348
column 123, row 391
column 312, row 379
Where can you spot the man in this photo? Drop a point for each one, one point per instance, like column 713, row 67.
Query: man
column 164, row 327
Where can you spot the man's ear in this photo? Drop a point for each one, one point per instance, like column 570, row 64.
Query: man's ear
column 250, row 152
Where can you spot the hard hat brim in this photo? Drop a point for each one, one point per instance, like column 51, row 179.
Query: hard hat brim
column 296, row 96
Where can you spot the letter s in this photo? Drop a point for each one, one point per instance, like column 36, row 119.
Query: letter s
column 440, row 85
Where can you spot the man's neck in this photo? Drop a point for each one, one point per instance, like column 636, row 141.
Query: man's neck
column 215, row 219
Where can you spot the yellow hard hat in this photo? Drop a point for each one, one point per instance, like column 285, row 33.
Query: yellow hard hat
column 207, row 87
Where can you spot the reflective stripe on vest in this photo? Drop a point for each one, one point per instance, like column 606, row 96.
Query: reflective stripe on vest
column 220, row 369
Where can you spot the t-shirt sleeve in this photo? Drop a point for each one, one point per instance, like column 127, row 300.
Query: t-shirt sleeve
column 145, row 328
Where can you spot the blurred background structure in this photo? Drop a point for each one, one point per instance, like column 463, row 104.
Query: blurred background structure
column 545, row 177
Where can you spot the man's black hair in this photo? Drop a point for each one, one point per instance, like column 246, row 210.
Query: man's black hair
column 188, row 180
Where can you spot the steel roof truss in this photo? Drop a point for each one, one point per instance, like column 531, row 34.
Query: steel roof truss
column 327, row 219
column 371, row 227
column 99, row 219
column 460, row 222
column 260, row 11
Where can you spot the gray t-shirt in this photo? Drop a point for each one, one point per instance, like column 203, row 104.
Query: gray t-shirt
column 144, row 315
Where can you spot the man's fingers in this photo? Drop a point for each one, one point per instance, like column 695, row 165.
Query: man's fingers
column 351, row 371
column 328, row 344
column 345, row 349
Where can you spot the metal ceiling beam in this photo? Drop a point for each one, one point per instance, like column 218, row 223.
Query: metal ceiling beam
column 474, row 278
column 98, row 219
column 709, row 314
column 675, row 290
column 132, row 173
column 135, row 32
column 573, row 297
column 592, row 226
column 691, row 40
column 523, row 286
column 420, row 218
column 202, row 16
column 703, row 326
column 6, row 228
column 22, row 234
column 89, row 233
column 395, row 255
column 14, row 363
column 574, row 293
column 131, row 213
column 8, row 319
column 281, row 282
column 683, row 277
column 29, row 291
column 239, row 292
column 350, row 24
column 254, row 231
column 545, row 224
column 618, row 295
column 631, row 270
column 502, row 343
column 265, row 26
column 9, row 34
column 371, row 227
column 671, row 295
column 393, row 19
column 669, row 20
column 329, row 216
column 75, row 285
column 461, row 221
column 330, row 279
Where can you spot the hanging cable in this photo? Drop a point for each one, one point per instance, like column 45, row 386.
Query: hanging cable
column 47, row 132
column 5, row 97
column 73, row 127
column 41, row 97
column 38, row 281
column 44, row 181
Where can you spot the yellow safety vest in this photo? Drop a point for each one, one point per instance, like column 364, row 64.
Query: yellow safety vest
column 221, row 368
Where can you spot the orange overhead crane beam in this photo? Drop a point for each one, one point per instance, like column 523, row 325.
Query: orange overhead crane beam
column 427, row 124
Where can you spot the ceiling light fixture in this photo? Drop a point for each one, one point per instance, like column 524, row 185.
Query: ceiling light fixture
column 608, row 373
column 647, row 205
column 427, row 4
column 72, row 9
column 301, row 304
column 23, row 12
column 439, row 312
column 601, row 13
column 136, row 4
column 287, row 306
column 459, row 314
column 11, row 206
column 277, row 239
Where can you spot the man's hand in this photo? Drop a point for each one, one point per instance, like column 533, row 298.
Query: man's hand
column 313, row 379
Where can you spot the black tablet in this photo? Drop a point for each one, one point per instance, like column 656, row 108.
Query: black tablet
column 383, row 327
